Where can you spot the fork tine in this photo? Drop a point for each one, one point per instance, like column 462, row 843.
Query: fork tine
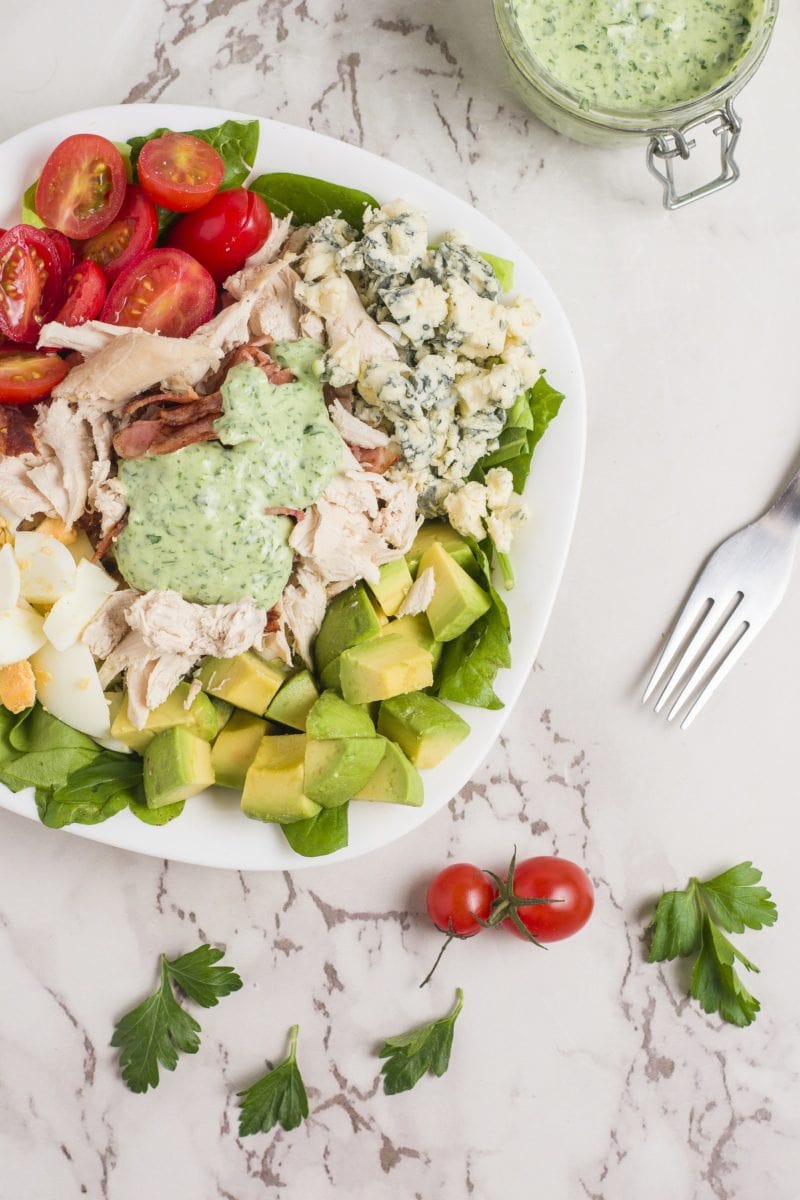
column 727, row 664
column 704, row 633
column 718, row 651
column 689, row 614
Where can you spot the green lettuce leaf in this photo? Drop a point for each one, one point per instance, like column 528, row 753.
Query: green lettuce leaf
column 525, row 427
column 156, row 816
column 94, row 792
column 310, row 199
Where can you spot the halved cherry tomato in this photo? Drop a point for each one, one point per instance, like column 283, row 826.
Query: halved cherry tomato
column 30, row 282
column 133, row 230
column 164, row 291
column 84, row 294
column 180, row 171
column 27, row 375
column 82, row 186
column 66, row 255
column 224, row 232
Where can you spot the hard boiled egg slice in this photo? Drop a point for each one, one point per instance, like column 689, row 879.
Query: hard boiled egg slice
column 70, row 615
column 81, row 547
column 68, row 687
column 21, row 633
column 47, row 568
column 9, row 578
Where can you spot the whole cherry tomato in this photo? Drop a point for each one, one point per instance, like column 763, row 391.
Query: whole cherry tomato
column 223, row 233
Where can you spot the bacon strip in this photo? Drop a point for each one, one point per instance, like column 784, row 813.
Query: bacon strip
column 110, row 536
column 160, row 398
column 16, row 431
column 377, row 460
column 152, row 437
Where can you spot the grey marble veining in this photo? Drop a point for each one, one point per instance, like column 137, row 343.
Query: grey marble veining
column 582, row 1071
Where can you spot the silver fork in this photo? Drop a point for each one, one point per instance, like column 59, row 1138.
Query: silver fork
column 736, row 593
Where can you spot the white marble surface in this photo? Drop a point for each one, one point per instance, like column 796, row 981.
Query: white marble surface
column 583, row 1072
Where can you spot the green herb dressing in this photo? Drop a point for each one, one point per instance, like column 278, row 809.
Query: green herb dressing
column 197, row 521
column 637, row 54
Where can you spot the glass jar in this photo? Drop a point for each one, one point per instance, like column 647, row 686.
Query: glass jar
column 666, row 130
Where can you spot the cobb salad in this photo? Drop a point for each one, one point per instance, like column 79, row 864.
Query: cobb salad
column 262, row 443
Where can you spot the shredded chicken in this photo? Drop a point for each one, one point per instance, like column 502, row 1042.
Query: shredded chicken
column 240, row 283
column 353, row 431
column 106, row 497
column 107, row 629
column 304, row 600
column 86, row 339
column 20, row 499
column 361, row 521
column 419, row 595
column 171, row 625
column 66, row 454
column 354, row 323
column 131, row 363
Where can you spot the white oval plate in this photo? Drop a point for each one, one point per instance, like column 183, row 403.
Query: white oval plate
column 211, row 831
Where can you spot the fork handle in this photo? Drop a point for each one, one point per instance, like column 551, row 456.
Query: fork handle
column 787, row 506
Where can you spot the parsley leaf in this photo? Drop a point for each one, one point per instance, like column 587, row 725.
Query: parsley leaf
column 410, row 1055
column 202, row 981
column 690, row 922
column 278, row 1098
column 158, row 1030
column 154, row 1033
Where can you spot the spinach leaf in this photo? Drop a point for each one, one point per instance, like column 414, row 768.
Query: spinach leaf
column 28, row 214
column 502, row 267
column 322, row 834
column 94, row 792
column 526, row 425
column 310, row 199
column 37, row 750
column 470, row 663
column 155, row 816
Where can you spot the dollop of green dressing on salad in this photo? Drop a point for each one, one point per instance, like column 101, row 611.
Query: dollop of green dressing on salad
column 638, row 54
column 198, row 522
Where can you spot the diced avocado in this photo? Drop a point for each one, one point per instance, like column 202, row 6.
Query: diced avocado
column 349, row 619
column 224, row 711
column 337, row 768
column 392, row 586
column 332, row 717
column 446, row 536
column 330, row 676
column 418, row 629
column 200, row 718
column 424, row 728
column 292, row 703
column 246, row 681
column 379, row 613
column 177, row 765
column 273, row 786
column 502, row 267
column 386, row 666
column 457, row 601
column 235, row 748
column 395, row 781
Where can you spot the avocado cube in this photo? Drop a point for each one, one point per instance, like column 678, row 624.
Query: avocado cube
column 440, row 532
column 292, row 703
column 224, row 711
column 273, row 786
column 383, row 667
column 392, row 586
column 246, row 681
column 425, row 728
column 379, row 613
column 235, row 748
column 457, row 601
column 349, row 619
column 200, row 718
column 335, row 769
column 330, row 676
column 418, row 629
column 177, row 765
column 333, row 717
column 395, row 780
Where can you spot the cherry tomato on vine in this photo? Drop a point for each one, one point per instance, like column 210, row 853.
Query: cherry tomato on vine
column 84, row 294
column 30, row 282
column 164, row 291
column 457, row 896
column 133, row 231
column 563, row 883
column 28, row 375
column 225, row 232
column 82, row 185
column 179, row 171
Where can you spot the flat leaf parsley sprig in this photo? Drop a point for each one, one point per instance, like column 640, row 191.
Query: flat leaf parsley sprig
column 158, row 1030
column 278, row 1098
column 690, row 923
column 410, row 1055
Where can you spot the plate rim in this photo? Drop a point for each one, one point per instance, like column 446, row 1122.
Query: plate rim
column 513, row 679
